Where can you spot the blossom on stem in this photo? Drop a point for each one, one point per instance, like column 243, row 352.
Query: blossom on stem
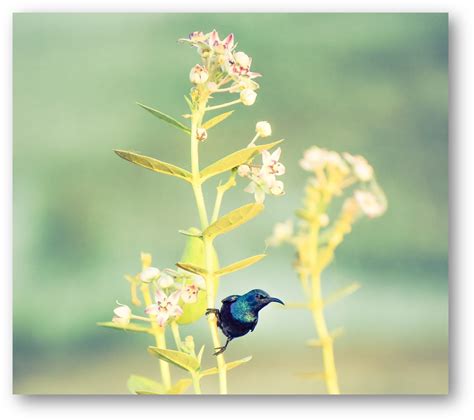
column 198, row 74
column 282, row 232
column 165, row 307
column 122, row 315
column 271, row 164
column 369, row 204
column 362, row 169
column 190, row 291
column 248, row 97
column 263, row 129
column 149, row 274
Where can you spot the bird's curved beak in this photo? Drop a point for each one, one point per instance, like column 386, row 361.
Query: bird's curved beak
column 274, row 299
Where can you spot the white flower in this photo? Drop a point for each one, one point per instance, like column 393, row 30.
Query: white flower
column 201, row 134
column 243, row 170
column 198, row 74
column 362, row 169
column 313, row 158
column 218, row 46
column 165, row 280
column 122, row 315
column 165, row 307
column 282, row 232
column 271, row 164
column 149, row 274
column 257, row 190
column 277, row 188
column 248, row 97
column 190, row 291
column 263, row 129
column 369, row 204
column 242, row 59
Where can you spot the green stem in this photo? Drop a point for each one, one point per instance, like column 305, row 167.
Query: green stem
column 208, row 249
column 317, row 309
column 176, row 335
column 212, row 108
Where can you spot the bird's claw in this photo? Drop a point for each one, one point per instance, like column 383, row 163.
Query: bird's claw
column 219, row 350
column 212, row 311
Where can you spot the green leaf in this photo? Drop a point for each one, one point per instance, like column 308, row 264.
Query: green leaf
column 166, row 118
column 236, row 363
column 233, row 219
column 191, row 232
column 128, row 327
column 239, row 265
column 140, row 384
column 155, row 164
column 234, row 159
column 192, row 268
column 178, row 358
column 180, row 387
column 216, row 120
column 228, row 366
column 341, row 293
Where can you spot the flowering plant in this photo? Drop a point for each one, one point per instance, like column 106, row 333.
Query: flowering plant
column 181, row 296
column 316, row 238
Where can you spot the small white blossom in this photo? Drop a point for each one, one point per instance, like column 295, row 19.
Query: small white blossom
column 165, row 280
column 149, row 274
column 122, row 315
column 263, row 129
column 282, row 232
column 243, row 170
column 198, row 74
column 242, row 59
column 165, row 307
column 201, row 134
column 313, row 158
column 190, row 291
column 369, row 204
column 271, row 164
column 248, row 97
column 362, row 169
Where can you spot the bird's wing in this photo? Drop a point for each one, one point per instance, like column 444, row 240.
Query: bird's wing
column 230, row 299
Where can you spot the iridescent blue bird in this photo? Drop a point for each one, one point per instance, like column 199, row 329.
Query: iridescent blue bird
column 239, row 314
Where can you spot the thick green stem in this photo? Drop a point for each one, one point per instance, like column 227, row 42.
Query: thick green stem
column 208, row 248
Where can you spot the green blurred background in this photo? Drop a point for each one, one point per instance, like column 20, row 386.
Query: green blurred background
column 374, row 84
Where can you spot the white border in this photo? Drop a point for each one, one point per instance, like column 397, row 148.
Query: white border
column 457, row 405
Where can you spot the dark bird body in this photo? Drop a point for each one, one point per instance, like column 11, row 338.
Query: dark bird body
column 239, row 314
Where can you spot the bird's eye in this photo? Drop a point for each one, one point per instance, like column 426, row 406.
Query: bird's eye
column 259, row 296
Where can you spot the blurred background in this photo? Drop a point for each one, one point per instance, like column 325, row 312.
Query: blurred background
column 374, row 84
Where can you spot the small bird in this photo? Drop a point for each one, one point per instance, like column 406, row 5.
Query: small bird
column 239, row 314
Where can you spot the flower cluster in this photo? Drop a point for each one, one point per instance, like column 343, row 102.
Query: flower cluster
column 222, row 65
column 171, row 288
column 263, row 177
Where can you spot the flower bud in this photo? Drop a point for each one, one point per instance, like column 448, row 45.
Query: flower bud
column 201, row 134
column 242, row 59
column 248, row 97
column 263, row 129
column 277, row 188
column 122, row 315
column 244, row 170
column 212, row 86
column 198, row 74
column 149, row 274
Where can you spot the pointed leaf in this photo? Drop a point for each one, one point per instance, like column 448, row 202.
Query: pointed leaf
column 166, row 118
column 191, row 232
column 341, row 293
column 180, row 387
column 210, row 371
column 236, row 363
column 239, row 265
column 128, row 327
column 178, row 358
column 155, row 164
column 192, row 268
column 216, row 120
column 234, row 159
column 233, row 219
column 140, row 384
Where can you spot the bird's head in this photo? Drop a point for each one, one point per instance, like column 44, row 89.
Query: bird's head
column 257, row 299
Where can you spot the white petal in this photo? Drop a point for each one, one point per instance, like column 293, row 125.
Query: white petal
column 151, row 310
column 160, row 296
column 161, row 318
column 174, row 297
column 266, row 158
column 260, row 196
column 276, row 154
